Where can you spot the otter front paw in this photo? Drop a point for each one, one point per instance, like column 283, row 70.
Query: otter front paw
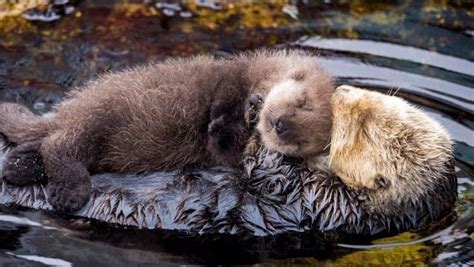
column 24, row 165
column 378, row 183
column 72, row 190
column 252, row 109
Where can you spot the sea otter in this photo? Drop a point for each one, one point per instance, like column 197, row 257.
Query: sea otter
column 380, row 144
column 380, row 137
column 163, row 116
column 383, row 143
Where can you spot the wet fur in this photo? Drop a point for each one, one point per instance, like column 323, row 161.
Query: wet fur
column 157, row 117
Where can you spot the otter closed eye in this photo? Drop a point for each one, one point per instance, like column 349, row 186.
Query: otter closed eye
column 296, row 115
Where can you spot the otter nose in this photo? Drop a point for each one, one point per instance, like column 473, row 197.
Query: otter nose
column 281, row 127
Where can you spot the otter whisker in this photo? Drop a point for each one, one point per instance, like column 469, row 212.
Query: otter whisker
column 396, row 91
column 327, row 146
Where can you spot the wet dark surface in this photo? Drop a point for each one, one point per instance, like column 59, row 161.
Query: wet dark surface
column 423, row 50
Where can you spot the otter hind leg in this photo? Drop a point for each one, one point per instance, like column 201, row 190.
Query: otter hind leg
column 24, row 164
column 69, row 184
column 70, row 188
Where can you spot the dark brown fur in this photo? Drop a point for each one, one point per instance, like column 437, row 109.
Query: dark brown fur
column 157, row 117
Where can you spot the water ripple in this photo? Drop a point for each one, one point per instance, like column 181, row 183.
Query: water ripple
column 389, row 50
column 455, row 95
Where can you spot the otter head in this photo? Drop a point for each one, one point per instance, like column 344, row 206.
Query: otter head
column 295, row 119
column 379, row 140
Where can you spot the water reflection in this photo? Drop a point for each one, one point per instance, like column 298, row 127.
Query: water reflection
column 393, row 51
column 10, row 237
column 423, row 49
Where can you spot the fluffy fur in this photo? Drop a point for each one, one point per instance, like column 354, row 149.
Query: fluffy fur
column 159, row 117
column 293, row 120
column 382, row 142
column 376, row 136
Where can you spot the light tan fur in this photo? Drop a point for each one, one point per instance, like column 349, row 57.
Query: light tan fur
column 380, row 136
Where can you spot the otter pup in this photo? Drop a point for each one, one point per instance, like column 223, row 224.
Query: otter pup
column 286, row 120
column 163, row 116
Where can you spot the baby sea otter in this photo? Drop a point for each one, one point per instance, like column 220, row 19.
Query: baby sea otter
column 164, row 116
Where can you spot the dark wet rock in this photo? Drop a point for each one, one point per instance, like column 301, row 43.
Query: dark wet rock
column 4, row 83
column 76, row 57
column 3, row 67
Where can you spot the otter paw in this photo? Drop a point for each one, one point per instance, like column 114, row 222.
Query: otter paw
column 226, row 134
column 24, row 165
column 67, row 198
column 72, row 192
column 378, row 183
column 251, row 149
column 382, row 182
column 252, row 108
column 363, row 195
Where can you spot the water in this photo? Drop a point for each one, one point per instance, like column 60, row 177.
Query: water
column 421, row 50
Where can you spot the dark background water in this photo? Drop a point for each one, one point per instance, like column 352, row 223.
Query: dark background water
column 424, row 50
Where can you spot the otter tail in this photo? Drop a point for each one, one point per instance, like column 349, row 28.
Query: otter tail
column 19, row 125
